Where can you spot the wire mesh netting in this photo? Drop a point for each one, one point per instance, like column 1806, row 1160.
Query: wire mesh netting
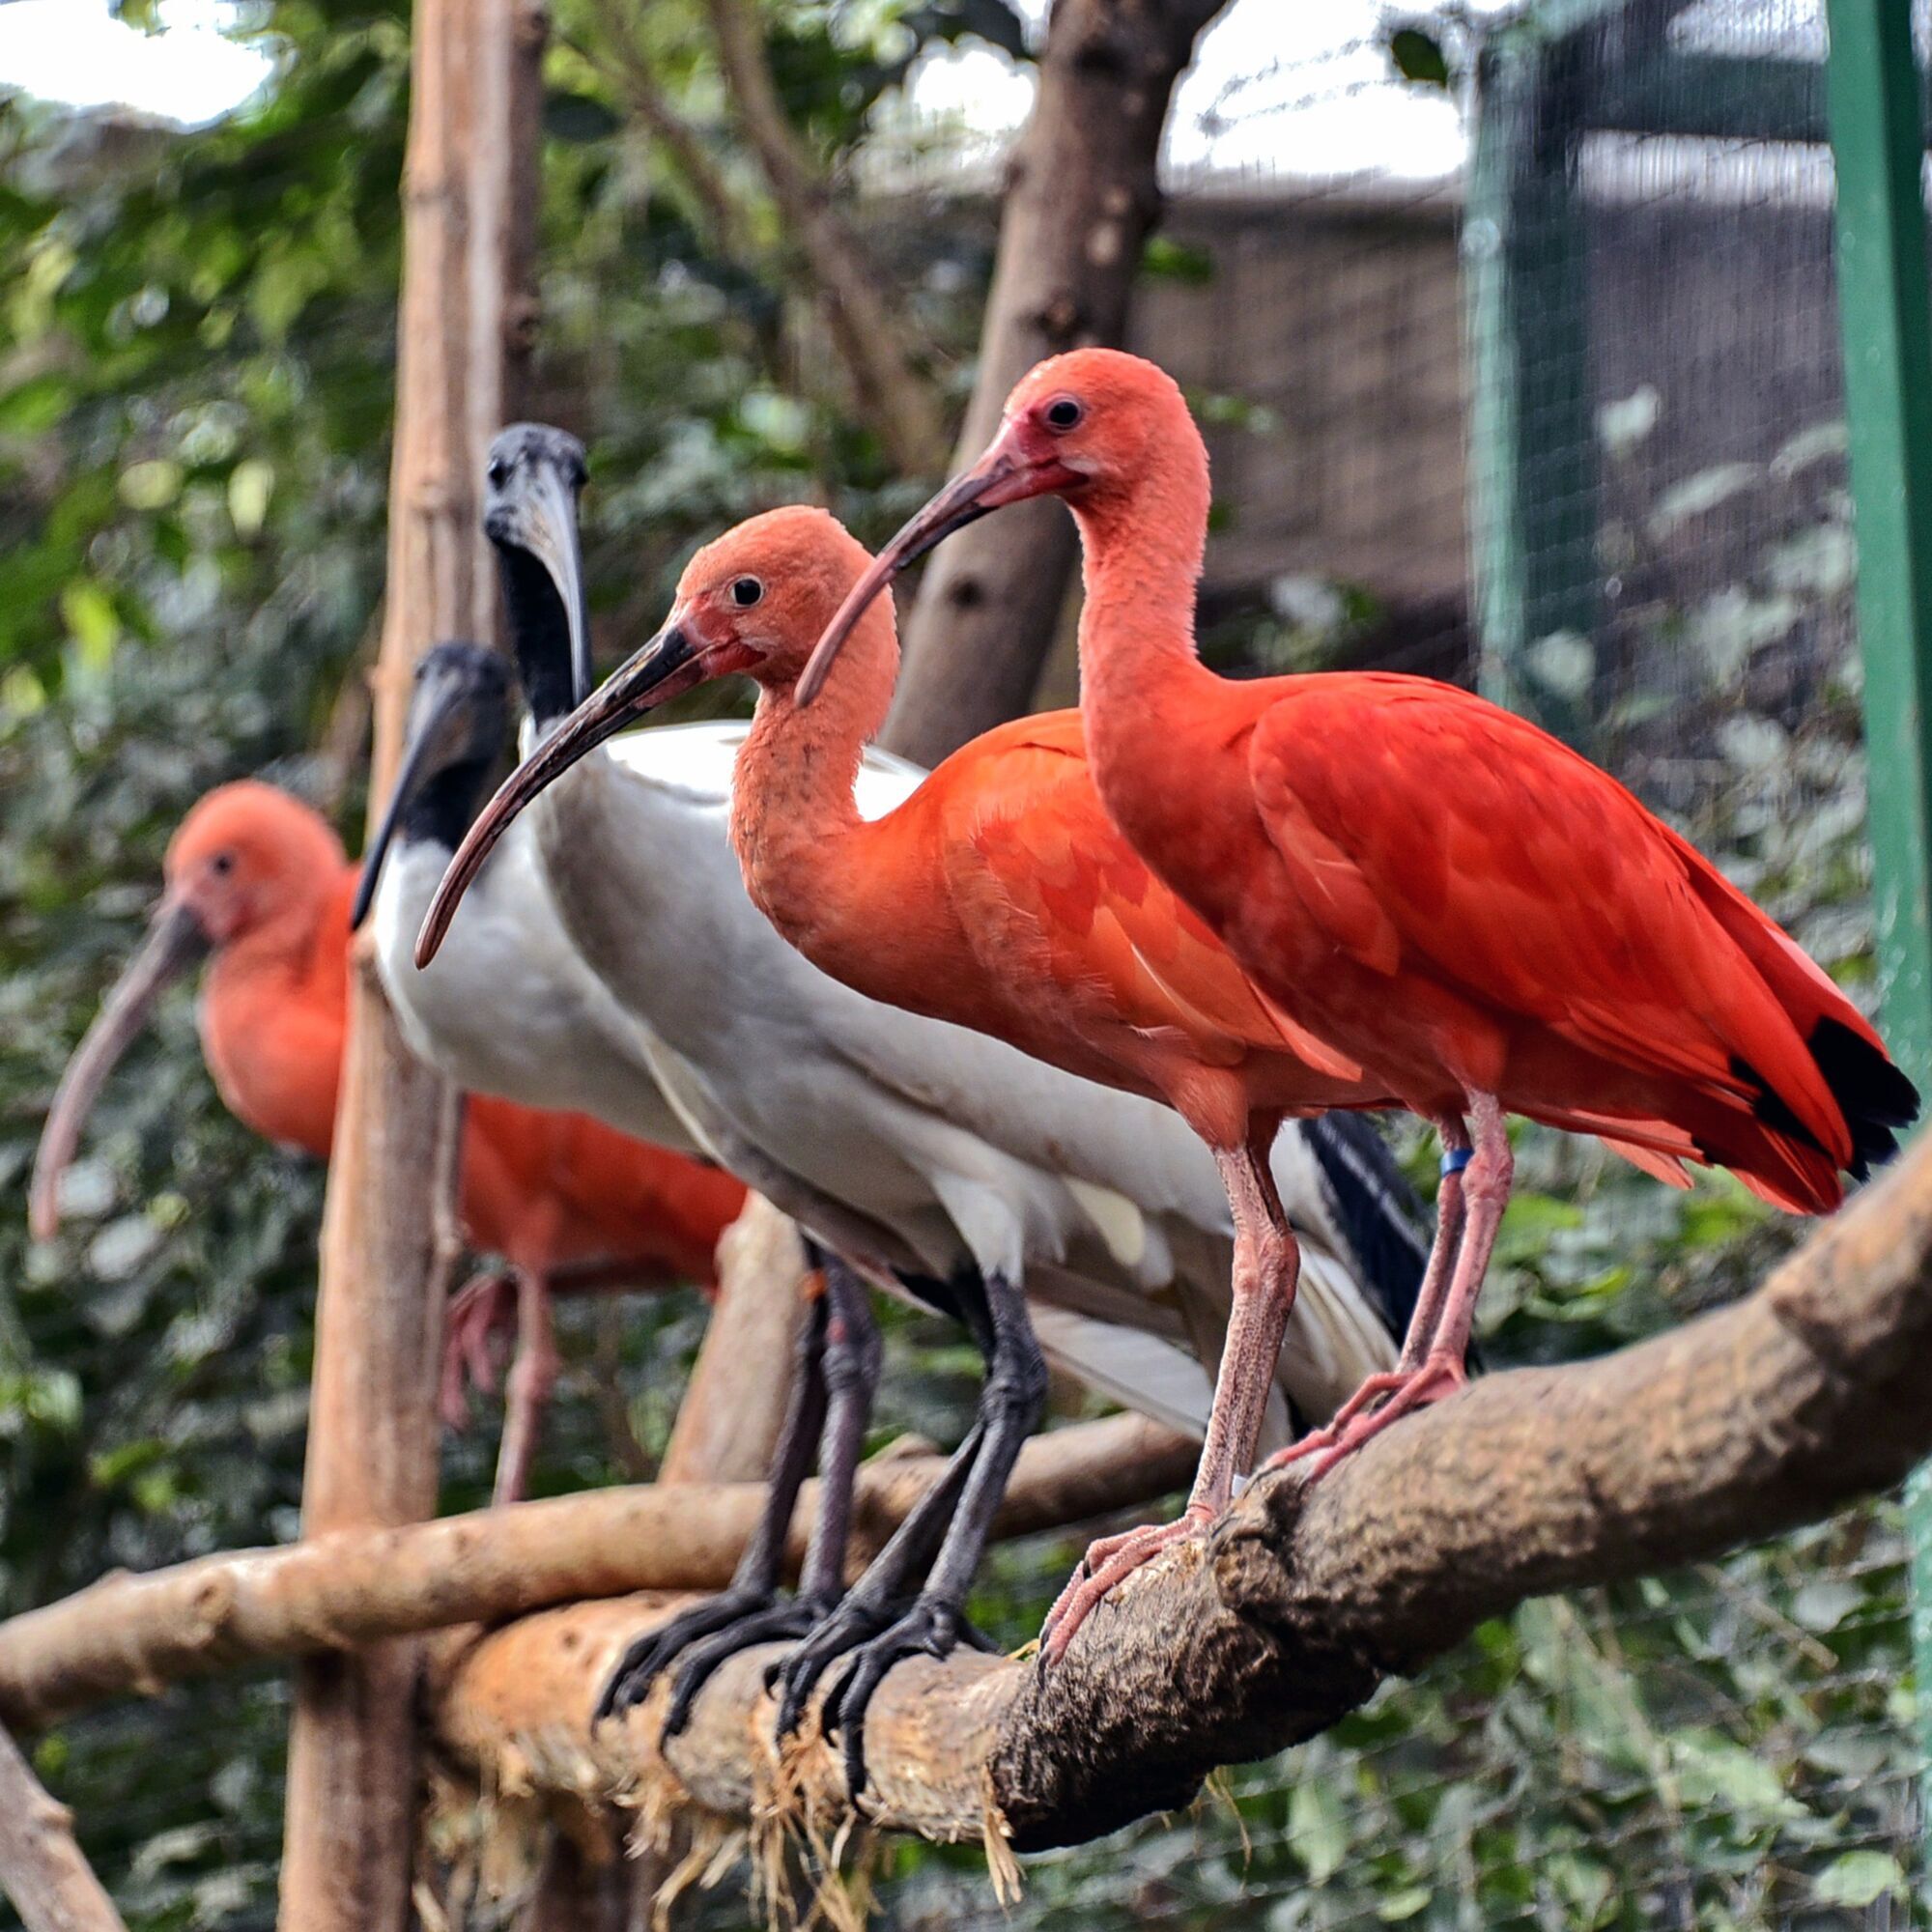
column 1526, row 369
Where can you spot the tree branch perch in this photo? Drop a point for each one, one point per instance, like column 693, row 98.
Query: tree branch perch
column 1808, row 1394
column 136, row 1634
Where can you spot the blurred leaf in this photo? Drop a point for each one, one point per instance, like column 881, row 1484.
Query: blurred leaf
column 1857, row 1879
column 578, row 117
column 1418, row 56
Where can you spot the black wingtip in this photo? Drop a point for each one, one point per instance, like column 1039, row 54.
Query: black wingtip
column 1875, row 1097
column 1378, row 1211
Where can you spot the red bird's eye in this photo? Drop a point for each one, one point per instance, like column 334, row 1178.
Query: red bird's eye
column 222, row 864
column 1064, row 412
column 746, row 591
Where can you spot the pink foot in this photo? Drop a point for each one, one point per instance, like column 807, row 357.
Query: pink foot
column 1439, row 1376
column 479, row 1314
column 1387, row 1382
column 1106, row 1563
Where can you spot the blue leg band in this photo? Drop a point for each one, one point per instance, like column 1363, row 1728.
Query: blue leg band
column 1455, row 1160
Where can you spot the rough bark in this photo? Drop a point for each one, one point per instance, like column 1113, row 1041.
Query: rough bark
column 870, row 337
column 129, row 1633
column 464, row 332
column 43, row 1873
column 1082, row 195
column 1767, row 1414
column 728, row 1423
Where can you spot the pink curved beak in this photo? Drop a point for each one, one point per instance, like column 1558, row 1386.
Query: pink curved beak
column 1014, row 467
column 175, row 943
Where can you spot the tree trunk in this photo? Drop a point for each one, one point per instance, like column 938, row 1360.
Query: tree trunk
column 469, row 192
column 1082, row 196
column 43, row 1873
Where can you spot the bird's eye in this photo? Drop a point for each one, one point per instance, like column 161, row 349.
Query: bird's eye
column 499, row 473
column 746, row 591
column 222, row 864
column 1064, row 412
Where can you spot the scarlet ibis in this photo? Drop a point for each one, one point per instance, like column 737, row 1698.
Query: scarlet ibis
column 1447, row 896
column 259, row 880
column 931, row 1156
column 996, row 896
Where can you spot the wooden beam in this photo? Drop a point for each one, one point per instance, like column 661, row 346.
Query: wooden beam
column 464, row 330
column 132, row 1635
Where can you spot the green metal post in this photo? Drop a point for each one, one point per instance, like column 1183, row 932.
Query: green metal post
column 1873, row 98
column 1532, row 433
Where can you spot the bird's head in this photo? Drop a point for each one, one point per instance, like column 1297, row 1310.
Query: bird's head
column 246, row 862
column 533, row 478
column 754, row 601
column 1097, row 426
column 459, row 716
column 247, row 857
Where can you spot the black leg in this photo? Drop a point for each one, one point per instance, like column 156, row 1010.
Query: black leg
column 875, row 1628
column 849, row 1364
column 754, row 1586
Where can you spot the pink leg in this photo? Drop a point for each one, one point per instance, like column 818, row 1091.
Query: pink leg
column 1266, row 1265
column 1427, row 1314
column 478, row 1312
column 532, row 1376
column 1441, row 1372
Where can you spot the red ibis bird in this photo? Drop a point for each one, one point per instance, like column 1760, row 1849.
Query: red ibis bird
column 258, row 880
column 935, row 1158
column 996, row 895
column 1447, row 896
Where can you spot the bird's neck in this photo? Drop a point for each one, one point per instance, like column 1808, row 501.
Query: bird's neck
column 441, row 811
column 539, row 635
column 795, row 822
column 1139, row 670
column 273, row 1014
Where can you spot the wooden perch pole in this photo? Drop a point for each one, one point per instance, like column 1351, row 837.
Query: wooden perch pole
column 1769, row 1413
column 43, row 1873
column 729, row 1422
column 133, row 1634
column 373, row 1435
column 1082, row 195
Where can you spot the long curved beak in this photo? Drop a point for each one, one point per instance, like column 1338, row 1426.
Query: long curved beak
column 663, row 669
column 176, row 942
column 433, row 716
column 551, row 535
column 1008, row 473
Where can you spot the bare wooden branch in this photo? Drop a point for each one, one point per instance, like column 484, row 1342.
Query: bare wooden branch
column 868, row 335
column 464, row 332
column 1767, row 1414
column 1082, row 196
column 136, row 1634
column 728, row 1421
column 43, row 1872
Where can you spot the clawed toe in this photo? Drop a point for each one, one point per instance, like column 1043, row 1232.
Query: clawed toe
column 699, row 1639
column 928, row 1629
column 1107, row 1563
